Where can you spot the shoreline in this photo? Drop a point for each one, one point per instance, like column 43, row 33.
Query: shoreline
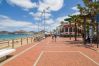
column 14, row 43
column 18, row 42
column 13, row 36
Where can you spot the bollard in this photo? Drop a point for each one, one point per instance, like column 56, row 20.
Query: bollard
column 13, row 43
column 27, row 40
column 21, row 41
column 8, row 44
column 31, row 39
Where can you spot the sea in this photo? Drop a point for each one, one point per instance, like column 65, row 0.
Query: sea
column 14, row 36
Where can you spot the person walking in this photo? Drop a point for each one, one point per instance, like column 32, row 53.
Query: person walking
column 52, row 36
column 55, row 37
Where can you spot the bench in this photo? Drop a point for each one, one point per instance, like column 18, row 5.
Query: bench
column 5, row 52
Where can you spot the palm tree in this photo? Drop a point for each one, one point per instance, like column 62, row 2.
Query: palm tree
column 69, row 20
column 91, row 9
column 76, row 20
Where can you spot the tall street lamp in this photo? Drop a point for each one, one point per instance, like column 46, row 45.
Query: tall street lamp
column 44, row 12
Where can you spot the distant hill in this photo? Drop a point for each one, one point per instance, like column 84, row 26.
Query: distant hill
column 17, row 32
column 23, row 32
column 20, row 32
column 4, row 32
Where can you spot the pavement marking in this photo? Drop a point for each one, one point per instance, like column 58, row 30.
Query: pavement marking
column 41, row 54
column 80, row 53
column 56, row 46
column 1, row 64
column 88, row 58
column 62, row 51
column 39, row 57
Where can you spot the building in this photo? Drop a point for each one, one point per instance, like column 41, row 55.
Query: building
column 66, row 29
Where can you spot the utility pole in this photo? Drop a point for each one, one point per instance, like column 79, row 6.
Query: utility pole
column 44, row 11
column 44, row 20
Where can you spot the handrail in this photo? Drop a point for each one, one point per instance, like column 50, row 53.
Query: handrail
column 4, row 41
column 12, row 42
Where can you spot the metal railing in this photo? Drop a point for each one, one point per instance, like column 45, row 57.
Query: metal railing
column 15, row 43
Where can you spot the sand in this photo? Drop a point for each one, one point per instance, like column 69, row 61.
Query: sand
column 16, row 43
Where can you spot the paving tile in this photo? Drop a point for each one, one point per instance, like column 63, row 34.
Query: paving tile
column 29, row 57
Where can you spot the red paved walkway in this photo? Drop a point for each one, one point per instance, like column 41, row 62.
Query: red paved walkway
column 63, row 52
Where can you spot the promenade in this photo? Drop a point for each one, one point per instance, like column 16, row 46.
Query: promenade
column 63, row 52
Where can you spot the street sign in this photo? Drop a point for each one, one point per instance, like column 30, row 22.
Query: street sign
column 97, row 18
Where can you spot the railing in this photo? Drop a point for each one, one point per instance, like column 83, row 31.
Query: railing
column 15, row 43
column 4, row 42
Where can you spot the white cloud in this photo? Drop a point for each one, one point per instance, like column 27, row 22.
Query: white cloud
column 57, row 21
column 13, row 25
column 48, row 6
column 47, row 15
column 49, row 21
column 3, row 16
column 75, row 8
column 76, row 13
column 53, row 23
column 26, row 4
column 62, row 18
column 54, row 5
column 38, row 15
column 31, row 13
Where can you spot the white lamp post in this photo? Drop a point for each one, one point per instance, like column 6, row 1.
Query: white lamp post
column 44, row 11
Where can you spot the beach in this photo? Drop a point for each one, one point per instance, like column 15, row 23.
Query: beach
column 14, row 40
column 15, row 43
column 18, row 40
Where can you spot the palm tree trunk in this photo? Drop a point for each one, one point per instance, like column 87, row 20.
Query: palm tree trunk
column 97, row 34
column 70, row 30
column 91, row 36
column 84, row 28
column 75, row 32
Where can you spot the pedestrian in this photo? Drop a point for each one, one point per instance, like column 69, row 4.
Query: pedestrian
column 52, row 36
column 55, row 36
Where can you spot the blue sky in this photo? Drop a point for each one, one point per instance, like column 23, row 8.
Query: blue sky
column 26, row 14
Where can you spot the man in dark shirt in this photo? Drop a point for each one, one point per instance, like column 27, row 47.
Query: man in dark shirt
column 55, row 36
